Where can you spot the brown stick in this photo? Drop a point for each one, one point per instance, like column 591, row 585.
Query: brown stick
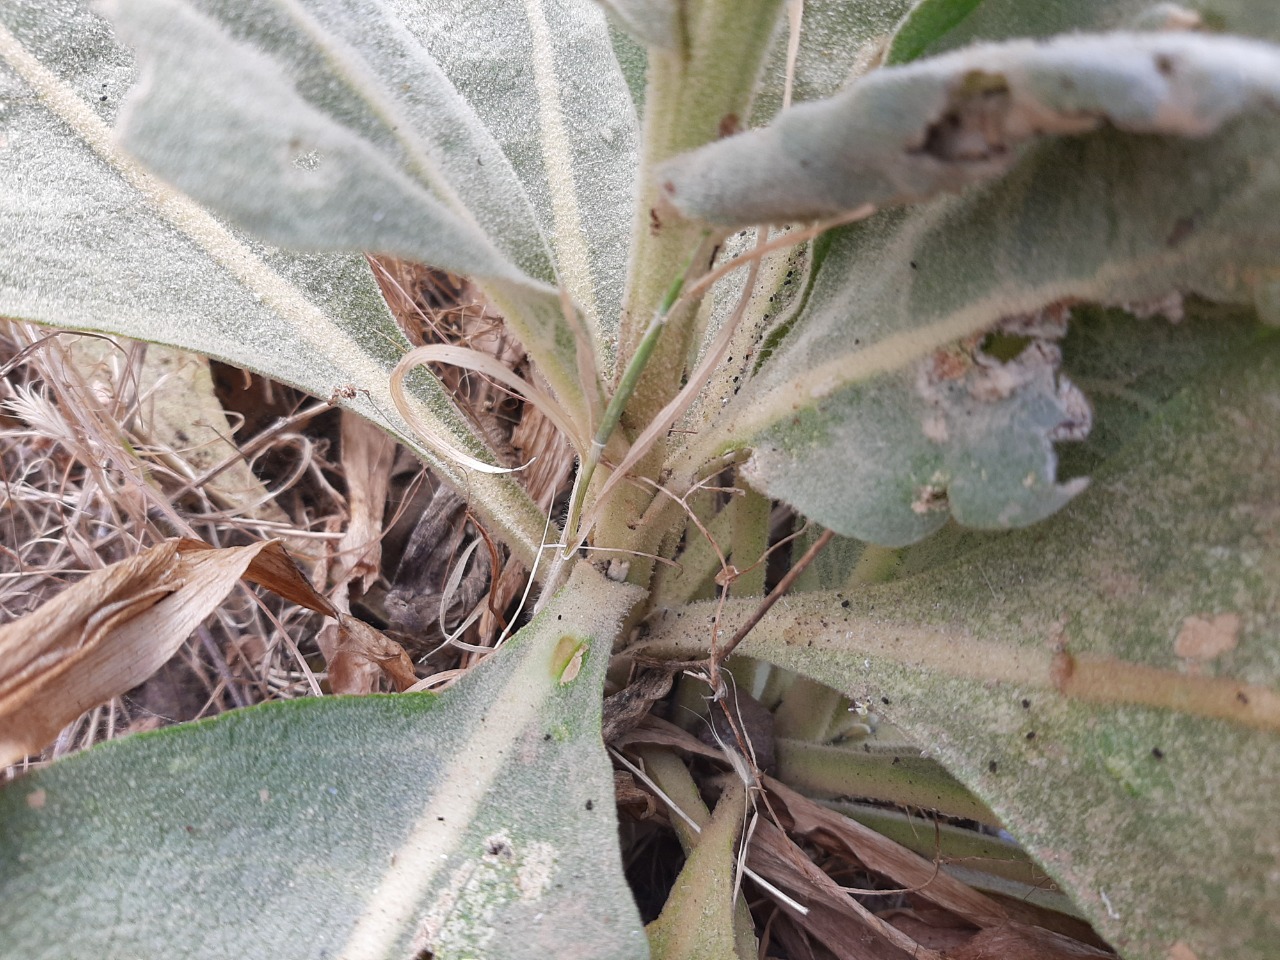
column 719, row 656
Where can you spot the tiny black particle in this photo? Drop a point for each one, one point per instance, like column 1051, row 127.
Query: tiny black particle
column 441, row 819
column 1157, row 753
column 895, row 761
column 845, row 604
column 591, row 804
column 103, row 98
column 1031, row 734
column 546, row 736
column 913, row 265
column 1026, row 704
column 885, row 701
column 992, row 766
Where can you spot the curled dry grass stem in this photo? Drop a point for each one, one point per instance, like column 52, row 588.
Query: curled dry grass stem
column 490, row 366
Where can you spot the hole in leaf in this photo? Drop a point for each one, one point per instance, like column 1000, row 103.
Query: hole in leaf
column 1004, row 346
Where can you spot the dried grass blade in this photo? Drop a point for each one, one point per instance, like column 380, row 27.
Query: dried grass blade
column 483, row 363
column 367, row 456
column 359, row 654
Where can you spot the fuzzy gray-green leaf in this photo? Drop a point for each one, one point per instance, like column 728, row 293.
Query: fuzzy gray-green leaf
column 1004, row 19
column 543, row 78
column 93, row 242
column 475, row 823
column 1105, row 217
column 326, row 126
column 928, row 21
column 656, row 23
column 901, row 135
column 1050, row 669
column 227, row 125
column 838, row 41
column 957, row 435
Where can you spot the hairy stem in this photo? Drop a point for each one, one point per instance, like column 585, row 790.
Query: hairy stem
column 693, row 96
column 618, row 402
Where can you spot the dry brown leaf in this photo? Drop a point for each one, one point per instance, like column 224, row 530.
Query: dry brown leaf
column 662, row 733
column 1017, row 941
column 367, row 456
column 106, row 634
column 949, row 934
column 790, row 935
column 629, row 795
column 362, row 654
column 356, row 653
column 843, row 836
column 844, row 926
column 273, row 569
column 629, row 706
column 882, row 855
column 840, row 923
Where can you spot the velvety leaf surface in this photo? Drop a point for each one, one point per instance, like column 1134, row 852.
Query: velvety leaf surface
column 838, row 41
column 960, row 435
column 1105, row 217
column 1131, row 367
column 325, row 126
column 92, row 242
column 697, row 922
column 1002, row 19
column 225, row 117
column 1108, row 680
column 904, row 134
column 475, row 823
column 544, row 80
